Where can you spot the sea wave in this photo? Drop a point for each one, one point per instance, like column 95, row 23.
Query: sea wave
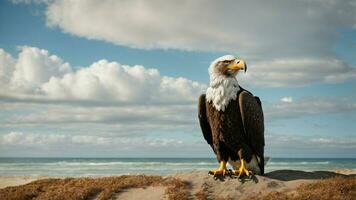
column 122, row 163
column 107, row 167
column 300, row 163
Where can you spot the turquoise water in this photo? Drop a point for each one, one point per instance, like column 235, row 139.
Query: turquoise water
column 152, row 166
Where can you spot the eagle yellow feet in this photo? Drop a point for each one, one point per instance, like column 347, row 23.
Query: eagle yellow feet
column 242, row 171
column 221, row 171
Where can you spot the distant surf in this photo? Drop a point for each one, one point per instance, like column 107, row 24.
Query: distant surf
column 150, row 166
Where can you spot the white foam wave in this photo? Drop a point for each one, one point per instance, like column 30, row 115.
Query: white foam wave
column 299, row 163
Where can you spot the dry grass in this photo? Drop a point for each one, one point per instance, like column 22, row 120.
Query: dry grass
column 225, row 198
column 338, row 188
column 88, row 188
column 202, row 194
column 177, row 189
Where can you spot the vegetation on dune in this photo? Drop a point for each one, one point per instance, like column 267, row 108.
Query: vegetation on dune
column 337, row 188
column 91, row 188
column 177, row 189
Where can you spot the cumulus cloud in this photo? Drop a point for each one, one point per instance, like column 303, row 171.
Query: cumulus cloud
column 306, row 106
column 7, row 64
column 36, row 66
column 285, row 140
column 36, row 74
column 298, row 72
column 286, row 43
column 248, row 27
column 41, row 90
column 30, row 139
column 137, row 119
column 118, row 98
column 300, row 145
column 19, row 138
column 30, row 70
column 18, row 143
column 134, row 117
column 57, row 144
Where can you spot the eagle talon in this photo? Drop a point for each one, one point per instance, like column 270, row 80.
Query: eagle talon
column 243, row 171
column 222, row 170
column 219, row 171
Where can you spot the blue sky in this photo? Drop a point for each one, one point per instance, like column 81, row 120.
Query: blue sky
column 101, row 78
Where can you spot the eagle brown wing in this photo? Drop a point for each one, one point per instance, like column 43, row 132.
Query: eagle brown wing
column 253, row 121
column 203, row 120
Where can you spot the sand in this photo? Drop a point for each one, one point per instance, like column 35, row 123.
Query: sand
column 6, row 181
column 203, row 186
column 157, row 192
column 281, row 180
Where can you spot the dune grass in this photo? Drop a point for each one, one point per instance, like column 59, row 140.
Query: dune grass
column 337, row 188
column 91, row 188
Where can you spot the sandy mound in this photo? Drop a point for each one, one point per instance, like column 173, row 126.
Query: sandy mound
column 204, row 186
column 281, row 184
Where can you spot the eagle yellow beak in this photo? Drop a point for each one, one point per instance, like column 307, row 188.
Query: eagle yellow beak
column 238, row 65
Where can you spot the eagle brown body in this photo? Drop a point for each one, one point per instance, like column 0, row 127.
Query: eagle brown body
column 236, row 132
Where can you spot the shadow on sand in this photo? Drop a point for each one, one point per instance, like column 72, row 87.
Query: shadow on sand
column 291, row 175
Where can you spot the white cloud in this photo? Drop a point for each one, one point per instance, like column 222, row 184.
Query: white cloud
column 19, row 143
column 85, row 139
column 36, row 66
column 105, row 95
column 7, row 64
column 287, row 99
column 290, row 108
column 142, row 119
column 103, row 145
column 286, row 43
column 297, row 72
column 19, row 138
column 31, row 139
column 299, row 145
column 248, row 27
column 117, row 118
column 322, row 141
column 126, row 98
column 37, row 75
column 105, row 80
column 312, row 141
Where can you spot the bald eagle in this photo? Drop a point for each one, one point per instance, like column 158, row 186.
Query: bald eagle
column 231, row 120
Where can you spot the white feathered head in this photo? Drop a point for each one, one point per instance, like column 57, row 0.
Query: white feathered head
column 227, row 66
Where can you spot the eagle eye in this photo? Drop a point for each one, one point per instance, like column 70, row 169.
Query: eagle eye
column 226, row 62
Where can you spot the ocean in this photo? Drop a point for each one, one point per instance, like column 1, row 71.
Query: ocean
column 149, row 166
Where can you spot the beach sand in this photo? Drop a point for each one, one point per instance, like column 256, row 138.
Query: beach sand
column 6, row 181
column 274, row 185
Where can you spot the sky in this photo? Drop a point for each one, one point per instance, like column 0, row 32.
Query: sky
column 122, row 78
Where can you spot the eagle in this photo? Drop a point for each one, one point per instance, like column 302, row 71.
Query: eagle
column 231, row 120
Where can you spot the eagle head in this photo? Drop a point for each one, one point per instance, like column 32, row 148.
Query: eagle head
column 223, row 83
column 227, row 66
